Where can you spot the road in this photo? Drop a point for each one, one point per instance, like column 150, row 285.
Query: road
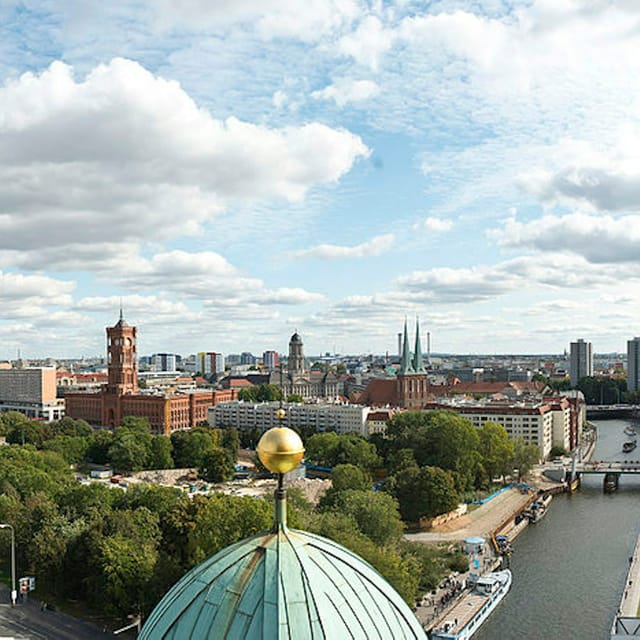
column 27, row 621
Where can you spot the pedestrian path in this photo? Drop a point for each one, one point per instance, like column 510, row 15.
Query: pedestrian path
column 626, row 623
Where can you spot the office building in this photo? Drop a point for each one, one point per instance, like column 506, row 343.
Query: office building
column 31, row 391
column 163, row 361
column 210, row 363
column 270, row 360
column 633, row 364
column 581, row 361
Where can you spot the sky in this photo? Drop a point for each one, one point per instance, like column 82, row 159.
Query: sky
column 232, row 171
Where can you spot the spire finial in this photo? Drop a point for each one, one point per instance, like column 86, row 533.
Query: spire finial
column 280, row 450
column 405, row 365
column 418, row 366
column 121, row 312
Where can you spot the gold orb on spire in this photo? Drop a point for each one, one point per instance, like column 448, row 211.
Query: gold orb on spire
column 280, row 449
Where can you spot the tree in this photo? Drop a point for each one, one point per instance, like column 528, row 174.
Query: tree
column 295, row 397
column 525, row 456
column 129, row 450
column 401, row 459
column 190, row 447
column 222, row 520
column 69, row 427
column 424, row 492
column 248, row 394
column 345, row 477
column 217, row 465
column 496, row 450
column 331, row 449
column 441, row 439
column 160, row 453
column 72, row 448
column 269, row 393
column 402, row 573
column 230, row 442
column 98, row 449
column 261, row 393
column 375, row 512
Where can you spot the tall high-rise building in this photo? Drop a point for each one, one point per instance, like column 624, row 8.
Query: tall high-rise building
column 581, row 361
column 164, row 361
column 633, row 364
column 270, row 359
column 210, row 362
column 247, row 358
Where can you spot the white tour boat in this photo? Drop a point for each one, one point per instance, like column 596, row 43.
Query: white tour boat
column 465, row 618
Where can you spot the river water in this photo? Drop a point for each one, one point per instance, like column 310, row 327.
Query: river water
column 569, row 570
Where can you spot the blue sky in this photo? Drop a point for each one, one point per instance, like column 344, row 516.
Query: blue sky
column 237, row 170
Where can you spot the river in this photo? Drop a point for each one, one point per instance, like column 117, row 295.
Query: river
column 570, row 568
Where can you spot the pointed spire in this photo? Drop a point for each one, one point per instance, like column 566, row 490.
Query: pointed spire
column 418, row 367
column 405, row 365
column 121, row 312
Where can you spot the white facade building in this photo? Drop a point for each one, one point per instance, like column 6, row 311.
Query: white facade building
column 541, row 423
column 341, row 418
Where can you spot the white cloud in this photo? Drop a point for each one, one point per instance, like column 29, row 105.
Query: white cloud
column 599, row 239
column 32, row 296
column 580, row 174
column 306, row 20
column 346, row 90
column 435, row 225
column 368, row 43
column 126, row 154
column 486, row 282
column 374, row 247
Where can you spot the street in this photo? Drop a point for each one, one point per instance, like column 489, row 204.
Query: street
column 27, row 620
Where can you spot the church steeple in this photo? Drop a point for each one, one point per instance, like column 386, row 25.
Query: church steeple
column 406, row 366
column 418, row 366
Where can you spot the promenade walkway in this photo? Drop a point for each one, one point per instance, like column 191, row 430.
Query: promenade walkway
column 627, row 623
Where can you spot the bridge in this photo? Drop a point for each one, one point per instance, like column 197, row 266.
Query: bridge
column 613, row 411
column 611, row 470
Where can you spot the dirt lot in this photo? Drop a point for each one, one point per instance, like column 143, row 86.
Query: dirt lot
column 478, row 522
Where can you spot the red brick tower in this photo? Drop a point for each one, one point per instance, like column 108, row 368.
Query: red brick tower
column 123, row 366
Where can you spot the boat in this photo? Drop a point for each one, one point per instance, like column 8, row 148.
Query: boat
column 537, row 511
column 465, row 618
column 630, row 431
column 629, row 446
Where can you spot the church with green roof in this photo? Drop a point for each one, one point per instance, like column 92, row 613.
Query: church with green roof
column 283, row 583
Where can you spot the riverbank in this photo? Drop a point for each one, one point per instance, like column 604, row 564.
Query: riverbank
column 626, row 623
column 498, row 516
column 487, row 518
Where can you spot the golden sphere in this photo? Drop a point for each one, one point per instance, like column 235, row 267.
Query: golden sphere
column 280, row 449
column 280, row 414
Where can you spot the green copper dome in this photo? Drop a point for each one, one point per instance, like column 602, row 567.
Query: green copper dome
column 282, row 584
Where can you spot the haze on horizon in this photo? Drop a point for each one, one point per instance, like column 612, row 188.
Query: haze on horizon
column 237, row 170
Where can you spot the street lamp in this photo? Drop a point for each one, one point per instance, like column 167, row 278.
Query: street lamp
column 14, row 593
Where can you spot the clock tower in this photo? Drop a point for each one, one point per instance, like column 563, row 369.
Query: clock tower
column 122, row 359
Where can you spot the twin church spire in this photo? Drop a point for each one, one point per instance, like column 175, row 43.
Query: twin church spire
column 410, row 364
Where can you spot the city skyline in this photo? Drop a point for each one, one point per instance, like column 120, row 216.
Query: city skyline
column 234, row 172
